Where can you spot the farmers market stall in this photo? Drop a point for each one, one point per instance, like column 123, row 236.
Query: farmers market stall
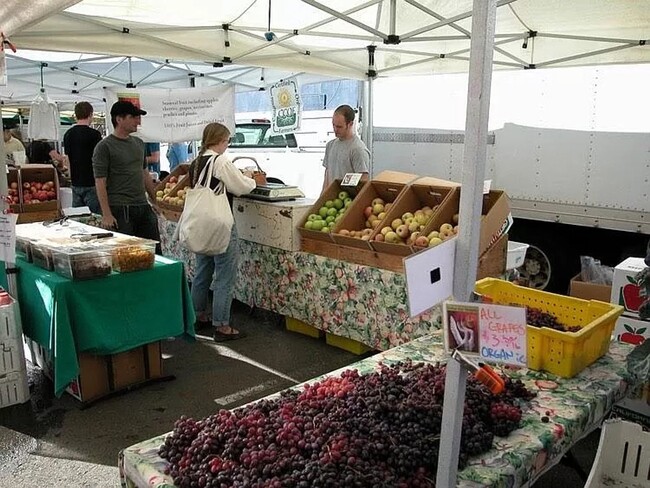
column 112, row 313
column 563, row 412
column 363, row 303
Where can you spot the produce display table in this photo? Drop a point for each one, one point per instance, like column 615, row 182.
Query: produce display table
column 103, row 316
column 359, row 302
column 571, row 408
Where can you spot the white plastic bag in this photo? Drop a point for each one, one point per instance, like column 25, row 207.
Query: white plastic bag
column 206, row 222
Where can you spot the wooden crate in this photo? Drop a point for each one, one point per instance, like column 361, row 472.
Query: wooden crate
column 178, row 172
column 40, row 173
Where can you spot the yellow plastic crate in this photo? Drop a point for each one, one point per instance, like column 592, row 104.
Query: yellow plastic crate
column 562, row 353
column 295, row 325
column 350, row 345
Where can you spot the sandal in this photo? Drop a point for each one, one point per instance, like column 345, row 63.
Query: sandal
column 219, row 336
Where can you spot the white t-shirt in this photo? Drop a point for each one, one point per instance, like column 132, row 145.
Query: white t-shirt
column 350, row 156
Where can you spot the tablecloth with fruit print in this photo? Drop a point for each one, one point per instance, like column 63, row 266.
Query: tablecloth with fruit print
column 362, row 303
column 564, row 411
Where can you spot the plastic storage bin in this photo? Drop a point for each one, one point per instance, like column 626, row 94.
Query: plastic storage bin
column 623, row 457
column 42, row 255
column 562, row 353
column 516, row 254
column 134, row 257
column 81, row 263
column 14, row 388
column 24, row 247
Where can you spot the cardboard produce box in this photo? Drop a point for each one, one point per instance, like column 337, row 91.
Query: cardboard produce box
column 331, row 193
column 412, row 199
column 625, row 291
column 102, row 375
column 32, row 177
column 631, row 330
column 355, row 219
column 589, row 291
column 14, row 190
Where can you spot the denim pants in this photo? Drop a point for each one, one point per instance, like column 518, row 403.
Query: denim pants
column 86, row 196
column 224, row 267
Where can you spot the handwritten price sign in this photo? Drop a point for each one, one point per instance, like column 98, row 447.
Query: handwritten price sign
column 503, row 334
column 495, row 333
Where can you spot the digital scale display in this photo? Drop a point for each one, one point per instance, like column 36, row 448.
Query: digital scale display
column 276, row 192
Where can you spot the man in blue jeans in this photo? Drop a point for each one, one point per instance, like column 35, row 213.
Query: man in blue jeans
column 79, row 144
column 122, row 178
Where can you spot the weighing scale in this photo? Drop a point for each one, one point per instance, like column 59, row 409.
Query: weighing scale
column 275, row 192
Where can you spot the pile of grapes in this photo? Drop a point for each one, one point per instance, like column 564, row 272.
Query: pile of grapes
column 539, row 318
column 378, row 430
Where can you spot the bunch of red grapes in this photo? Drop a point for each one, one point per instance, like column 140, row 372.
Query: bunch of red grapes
column 381, row 429
column 539, row 318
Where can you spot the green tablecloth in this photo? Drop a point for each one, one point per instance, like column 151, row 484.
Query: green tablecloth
column 103, row 316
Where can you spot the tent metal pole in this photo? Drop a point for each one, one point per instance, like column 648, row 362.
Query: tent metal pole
column 369, row 118
column 393, row 18
column 471, row 198
column 346, row 18
column 585, row 55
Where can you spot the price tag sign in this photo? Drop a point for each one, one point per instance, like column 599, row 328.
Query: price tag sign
column 8, row 237
column 494, row 333
column 351, row 179
column 487, row 184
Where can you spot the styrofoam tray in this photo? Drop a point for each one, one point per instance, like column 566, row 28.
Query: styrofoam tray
column 516, row 254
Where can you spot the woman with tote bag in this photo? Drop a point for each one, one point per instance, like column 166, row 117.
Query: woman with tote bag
column 223, row 175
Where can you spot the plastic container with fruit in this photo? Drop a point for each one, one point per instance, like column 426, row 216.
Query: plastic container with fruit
column 42, row 255
column 134, row 256
column 24, row 247
column 82, row 263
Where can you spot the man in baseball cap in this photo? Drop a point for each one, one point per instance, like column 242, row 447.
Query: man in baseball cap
column 121, row 176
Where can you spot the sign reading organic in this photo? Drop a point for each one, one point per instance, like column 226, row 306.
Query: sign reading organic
column 495, row 333
column 285, row 100
column 178, row 114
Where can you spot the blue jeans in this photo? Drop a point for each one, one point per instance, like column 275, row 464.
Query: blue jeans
column 86, row 196
column 224, row 267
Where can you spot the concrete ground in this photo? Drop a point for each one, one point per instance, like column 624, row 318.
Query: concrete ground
column 52, row 442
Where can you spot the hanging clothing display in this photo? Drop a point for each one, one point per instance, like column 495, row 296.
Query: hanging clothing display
column 43, row 119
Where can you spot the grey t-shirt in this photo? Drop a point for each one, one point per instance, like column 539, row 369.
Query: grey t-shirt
column 121, row 162
column 351, row 156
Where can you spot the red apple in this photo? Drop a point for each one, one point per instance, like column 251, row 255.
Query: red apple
column 38, row 185
column 14, row 185
column 51, row 195
column 367, row 212
column 26, row 185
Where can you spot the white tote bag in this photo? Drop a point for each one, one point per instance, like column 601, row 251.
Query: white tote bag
column 206, row 222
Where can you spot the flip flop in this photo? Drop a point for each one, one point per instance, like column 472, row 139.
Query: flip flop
column 221, row 337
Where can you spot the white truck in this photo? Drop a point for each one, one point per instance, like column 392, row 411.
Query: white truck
column 572, row 192
column 293, row 159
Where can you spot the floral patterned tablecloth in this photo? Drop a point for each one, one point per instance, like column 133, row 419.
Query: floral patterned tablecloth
column 574, row 408
column 362, row 303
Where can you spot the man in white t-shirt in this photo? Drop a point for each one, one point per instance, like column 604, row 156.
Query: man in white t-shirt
column 347, row 153
column 12, row 144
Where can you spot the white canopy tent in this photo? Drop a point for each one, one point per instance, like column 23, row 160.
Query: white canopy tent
column 333, row 37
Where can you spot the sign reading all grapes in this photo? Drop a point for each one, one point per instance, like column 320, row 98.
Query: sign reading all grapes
column 494, row 333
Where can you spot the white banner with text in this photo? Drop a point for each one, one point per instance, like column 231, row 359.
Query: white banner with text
column 177, row 114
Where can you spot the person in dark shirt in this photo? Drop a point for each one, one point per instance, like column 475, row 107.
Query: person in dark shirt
column 79, row 143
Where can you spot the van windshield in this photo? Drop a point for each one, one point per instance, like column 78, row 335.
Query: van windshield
column 255, row 135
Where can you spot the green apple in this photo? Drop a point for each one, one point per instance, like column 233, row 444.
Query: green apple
column 332, row 211
column 323, row 212
column 338, row 203
column 344, row 195
column 317, row 225
column 347, row 202
column 309, row 224
column 325, row 229
column 314, row 217
column 329, row 203
column 329, row 219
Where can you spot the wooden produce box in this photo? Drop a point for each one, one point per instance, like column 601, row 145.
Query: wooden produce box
column 491, row 264
column 330, row 193
column 177, row 173
column 39, row 174
column 273, row 224
column 101, row 375
column 413, row 198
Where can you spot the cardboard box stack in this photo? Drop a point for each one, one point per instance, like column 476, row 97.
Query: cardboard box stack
column 13, row 371
column 631, row 329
